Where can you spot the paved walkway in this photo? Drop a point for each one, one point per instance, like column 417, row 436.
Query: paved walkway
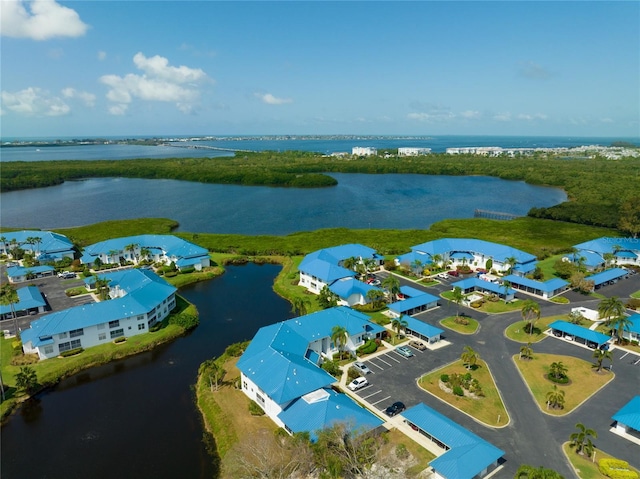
column 532, row 437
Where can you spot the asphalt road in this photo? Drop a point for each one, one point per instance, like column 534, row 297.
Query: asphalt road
column 531, row 437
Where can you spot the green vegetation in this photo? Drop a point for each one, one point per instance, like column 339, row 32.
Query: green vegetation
column 488, row 409
column 517, row 331
column 53, row 370
column 585, row 467
column 461, row 324
column 584, row 380
column 592, row 200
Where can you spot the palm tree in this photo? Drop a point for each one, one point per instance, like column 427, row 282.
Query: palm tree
column 3, row 240
column 555, row 398
column 131, row 249
column 526, row 351
column 581, row 440
column 511, row 261
column 620, row 324
column 375, row 296
column 611, row 307
column 145, row 253
column 600, row 355
column 437, row 260
column 392, row 285
column 300, row 306
column 350, row 262
column 339, row 336
column 416, row 267
column 370, row 264
column 608, row 259
column 102, row 288
column 529, row 472
column 530, row 313
column 469, row 357
column 9, row 297
column 557, row 370
column 457, row 297
column 113, row 254
column 399, row 323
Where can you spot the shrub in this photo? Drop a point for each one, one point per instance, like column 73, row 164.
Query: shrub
column 353, row 373
column 255, row 409
column 191, row 269
column 444, row 378
column 236, row 349
column 170, row 274
column 120, row 339
column 332, row 368
column 616, row 469
column 73, row 352
column 461, row 320
column 369, row 347
column 402, row 452
column 155, row 327
column 184, row 320
column 24, row 359
column 559, row 380
column 458, row 391
column 477, row 304
column 633, row 303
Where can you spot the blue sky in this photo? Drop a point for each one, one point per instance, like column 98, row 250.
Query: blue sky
column 90, row 68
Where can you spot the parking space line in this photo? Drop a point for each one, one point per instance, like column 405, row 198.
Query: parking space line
column 383, row 399
column 624, row 355
column 388, row 355
column 406, row 359
column 383, row 361
column 372, row 394
column 371, row 363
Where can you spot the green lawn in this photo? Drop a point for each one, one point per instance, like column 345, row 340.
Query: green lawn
column 489, row 410
column 636, row 295
column 584, row 381
column 516, row 331
column 470, row 328
column 546, row 265
column 587, row 468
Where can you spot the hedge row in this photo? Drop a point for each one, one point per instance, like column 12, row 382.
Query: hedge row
column 616, row 469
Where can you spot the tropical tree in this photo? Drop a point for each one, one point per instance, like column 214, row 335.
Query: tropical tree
column 131, row 248
column 326, row 298
column 505, row 287
column 620, row 324
column 558, row 370
column 511, row 261
column 609, row 258
column 9, row 297
column 145, row 253
column 399, row 323
column 27, row 379
column 300, row 306
column 581, row 440
column 526, row 351
column 469, row 357
column 416, row 267
column 576, row 317
column 339, row 336
column 529, row 472
column 350, row 262
column 630, row 216
column 102, row 288
column 370, row 265
column 555, row 398
column 611, row 307
column 530, row 313
column 437, row 260
column 3, row 240
column 376, row 297
column 113, row 254
column 213, row 371
column 392, row 285
column 600, row 355
column 457, row 297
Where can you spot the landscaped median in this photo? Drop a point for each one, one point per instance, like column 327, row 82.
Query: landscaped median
column 589, row 467
column 516, row 331
column 583, row 380
column 487, row 409
column 461, row 324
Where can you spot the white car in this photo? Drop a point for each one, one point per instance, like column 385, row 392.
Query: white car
column 358, row 383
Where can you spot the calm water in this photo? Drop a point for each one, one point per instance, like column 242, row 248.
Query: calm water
column 136, row 417
column 319, row 145
column 358, row 201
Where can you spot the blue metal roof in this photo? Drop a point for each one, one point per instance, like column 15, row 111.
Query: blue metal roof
column 408, row 258
column 468, row 455
column 580, row 332
column 494, row 250
column 414, row 302
column 28, row 297
column 609, row 245
column 479, row 283
column 590, row 259
column 411, row 292
column 547, row 286
column 629, row 414
column 607, row 275
column 635, row 323
column 345, row 287
column 323, row 409
column 318, row 325
column 145, row 290
column 326, row 271
column 421, row 327
column 49, row 242
column 171, row 245
column 16, row 271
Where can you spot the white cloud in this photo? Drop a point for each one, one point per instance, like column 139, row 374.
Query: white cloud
column 102, row 55
column 506, row 116
column 534, row 71
column 432, row 116
column 470, row 114
column 46, row 19
column 89, row 99
column 34, row 102
column 160, row 82
column 269, row 99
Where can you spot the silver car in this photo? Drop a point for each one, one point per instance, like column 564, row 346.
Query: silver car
column 361, row 367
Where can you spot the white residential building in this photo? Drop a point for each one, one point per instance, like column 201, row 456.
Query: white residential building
column 364, row 151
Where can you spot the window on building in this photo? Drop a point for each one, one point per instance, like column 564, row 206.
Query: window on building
column 116, row 333
column 62, row 335
column 260, row 400
column 76, row 332
column 140, row 326
column 114, row 324
column 140, row 317
column 102, row 336
column 62, row 347
column 76, row 344
column 101, row 326
column 48, row 349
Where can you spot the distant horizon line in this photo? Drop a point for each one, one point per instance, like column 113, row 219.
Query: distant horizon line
column 297, row 135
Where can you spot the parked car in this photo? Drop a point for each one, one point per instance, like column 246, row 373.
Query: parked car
column 418, row 345
column 358, row 383
column 361, row 367
column 66, row 275
column 375, row 282
column 395, row 408
column 404, row 351
column 443, row 275
column 454, row 273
